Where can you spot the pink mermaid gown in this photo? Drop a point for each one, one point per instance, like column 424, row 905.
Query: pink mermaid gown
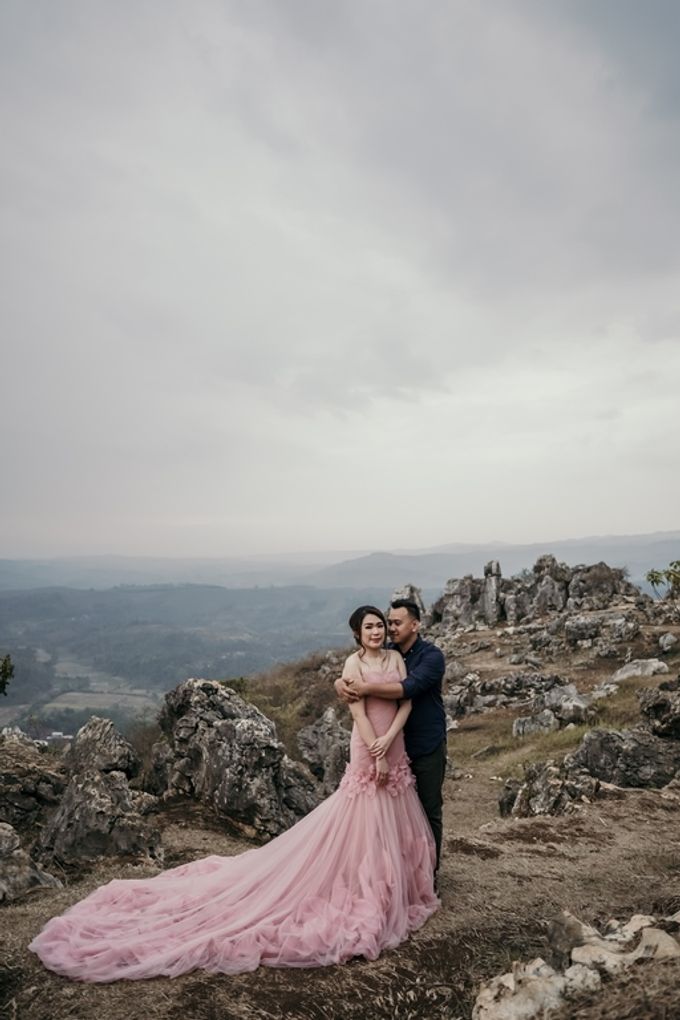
column 352, row 878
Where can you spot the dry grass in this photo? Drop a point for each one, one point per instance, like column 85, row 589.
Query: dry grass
column 293, row 695
column 489, row 736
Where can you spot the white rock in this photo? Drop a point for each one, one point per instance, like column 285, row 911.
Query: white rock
column 655, row 944
column 640, row 667
column 667, row 642
column 525, row 993
column 600, row 957
column 580, row 980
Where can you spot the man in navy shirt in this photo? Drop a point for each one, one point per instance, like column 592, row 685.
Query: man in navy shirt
column 425, row 729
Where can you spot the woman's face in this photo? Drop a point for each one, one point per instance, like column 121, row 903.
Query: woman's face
column 372, row 632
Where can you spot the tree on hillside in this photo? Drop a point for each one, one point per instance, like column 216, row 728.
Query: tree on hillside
column 6, row 673
column 668, row 579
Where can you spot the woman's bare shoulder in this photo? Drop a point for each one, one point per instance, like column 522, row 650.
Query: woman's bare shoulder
column 352, row 662
column 395, row 659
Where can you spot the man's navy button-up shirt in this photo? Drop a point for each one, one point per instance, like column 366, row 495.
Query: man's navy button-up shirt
column 425, row 727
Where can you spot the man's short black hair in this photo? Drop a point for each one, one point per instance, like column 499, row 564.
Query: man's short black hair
column 412, row 608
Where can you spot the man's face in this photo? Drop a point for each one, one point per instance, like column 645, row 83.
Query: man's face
column 403, row 628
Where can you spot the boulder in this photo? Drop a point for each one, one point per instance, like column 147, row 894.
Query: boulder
column 639, row 667
column 98, row 817
column 223, row 752
column 544, row 722
column 552, row 789
column 98, row 746
column 31, row 784
column 667, row 643
column 631, row 758
column 597, row 585
column 582, row 627
column 325, row 747
column 18, row 873
column 661, row 706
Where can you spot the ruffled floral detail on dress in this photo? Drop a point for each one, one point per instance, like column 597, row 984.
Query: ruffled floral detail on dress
column 362, row 781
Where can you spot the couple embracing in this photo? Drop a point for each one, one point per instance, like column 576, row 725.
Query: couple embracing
column 354, row 877
column 410, row 673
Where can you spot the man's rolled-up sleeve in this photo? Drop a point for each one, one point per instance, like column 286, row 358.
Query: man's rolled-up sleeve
column 428, row 675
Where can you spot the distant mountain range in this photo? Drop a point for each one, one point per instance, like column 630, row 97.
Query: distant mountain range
column 427, row 568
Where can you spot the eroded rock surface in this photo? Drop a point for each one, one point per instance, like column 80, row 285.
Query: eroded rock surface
column 640, row 667
column 98, row 816
column 18, row 873
column 31, row 784
column 548, row 788
column 632, row 758
column 224, row 752
column 325, row 747
column 100, row 747
column 549, row 588
column 661, row 707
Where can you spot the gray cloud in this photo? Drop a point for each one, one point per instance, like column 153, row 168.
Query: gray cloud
column 264, row 263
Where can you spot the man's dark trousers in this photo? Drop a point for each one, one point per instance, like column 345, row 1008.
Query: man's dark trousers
column 429, row 771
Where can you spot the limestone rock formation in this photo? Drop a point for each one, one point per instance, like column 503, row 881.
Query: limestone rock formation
column 223, row 752
column 543, row 722
column 631, row 758
column 661, row 706
column 98, row 816
column 98, row 746
column 324, row 745
column 667, row 642
column 639, row 667
column 550, row 588
column 473, row 693
column 549, row 788
column 413, row 594
column 18, row 873
column 31, row 784
column 552, row 708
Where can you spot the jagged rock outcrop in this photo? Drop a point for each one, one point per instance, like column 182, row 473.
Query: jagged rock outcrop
column 413, row 594
column 98, row 816
column 549, row 588
column 18, row 873
column 31, row 784
column 646, row 756
column 474, row 693
column 555, row 707
column 661, row 707
column 631, row 758
column 544, row 721
column 324, row 745
column 548, row 788
column 98, row 746
column 223, row 752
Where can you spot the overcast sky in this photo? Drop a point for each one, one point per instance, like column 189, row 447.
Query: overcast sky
column 337, row 274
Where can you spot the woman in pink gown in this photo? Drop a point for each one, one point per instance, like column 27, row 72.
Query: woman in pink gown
column 352, row 878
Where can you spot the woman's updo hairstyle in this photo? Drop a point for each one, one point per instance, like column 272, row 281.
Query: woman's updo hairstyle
column 357, row 618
